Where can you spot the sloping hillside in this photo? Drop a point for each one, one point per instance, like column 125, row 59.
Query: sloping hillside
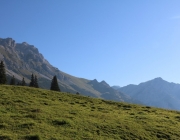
column 29, row 113
column 22, row 59
column 156, row 92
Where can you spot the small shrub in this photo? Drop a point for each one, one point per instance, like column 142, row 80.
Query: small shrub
column 163, row 135
column 142, row 113
column 60, row 122
column 127, row 109
column 100, row 108
column 36, row 110
column 72, row 112
column 178, row 118
column 98, row 132
column 33, row 116
column 26, row 125
column 4, row 137
column 19, row 101
column 108, row 102
column 45, row 103
column 2, row 126
column 127, row 106
column 77, row 102
column 84, row 105
column 119, row 105
column 32, row 137
column 146, row 110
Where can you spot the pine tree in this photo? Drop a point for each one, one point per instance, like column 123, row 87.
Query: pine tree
column 32, row 81
column 54, row 84
column 18, row 83
column 23, row 83
column 2, row 73
column 36, row 82
column 13, row 81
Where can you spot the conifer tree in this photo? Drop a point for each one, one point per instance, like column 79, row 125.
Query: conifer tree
column 13, row 81
column 54, row 84
column 32, row 81
column 2, row 73
column 36, row 82
column 18, row 83
column 23, row 83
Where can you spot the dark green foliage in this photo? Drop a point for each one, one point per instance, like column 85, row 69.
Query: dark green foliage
column 32, row 137
column 2, row 73
column 13, row 81
column 18, row 83
column 54, row 84
column 36, row 82
column 23, row 83
column 32, row 81
column 4, row 137
column 60, row 122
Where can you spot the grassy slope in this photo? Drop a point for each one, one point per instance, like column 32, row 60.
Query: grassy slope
column 32, row 114
column 83, row 84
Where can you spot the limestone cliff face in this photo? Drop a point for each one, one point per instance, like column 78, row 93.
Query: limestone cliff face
column 23, row 59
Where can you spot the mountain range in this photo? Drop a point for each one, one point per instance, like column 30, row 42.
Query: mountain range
column 156, row 92
column 22, row 59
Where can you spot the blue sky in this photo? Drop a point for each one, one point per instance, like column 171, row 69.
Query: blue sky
column 119, row 41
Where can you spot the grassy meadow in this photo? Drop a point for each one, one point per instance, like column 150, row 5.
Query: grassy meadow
column 38, row 114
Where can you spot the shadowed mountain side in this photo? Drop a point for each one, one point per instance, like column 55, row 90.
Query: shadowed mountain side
column 156, row 92
column 22, row 59
column 106, row 91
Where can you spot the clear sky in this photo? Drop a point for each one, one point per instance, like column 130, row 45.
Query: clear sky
column 120, row 41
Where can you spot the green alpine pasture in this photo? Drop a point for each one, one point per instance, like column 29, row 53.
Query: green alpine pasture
column 37, row 114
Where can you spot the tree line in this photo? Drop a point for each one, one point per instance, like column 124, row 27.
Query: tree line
column 33, row 83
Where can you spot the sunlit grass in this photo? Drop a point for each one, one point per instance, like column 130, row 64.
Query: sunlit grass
column 34, row 114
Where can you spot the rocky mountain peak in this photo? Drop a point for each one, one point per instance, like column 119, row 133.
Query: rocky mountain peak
column 104, row 83
column 116, row 87
column 156, row 92
column 154, row 81
column 26, row 48
column 158, row 79
column 94, row 81
column 25, row 43
column 8, row 42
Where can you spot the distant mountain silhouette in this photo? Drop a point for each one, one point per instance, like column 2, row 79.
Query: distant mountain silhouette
column 22, row 59
column 156, row 92
column 116, row 87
